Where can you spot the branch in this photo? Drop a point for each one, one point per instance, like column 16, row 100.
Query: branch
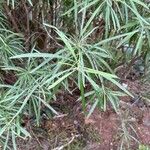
column 65, row 145
column 11, row 18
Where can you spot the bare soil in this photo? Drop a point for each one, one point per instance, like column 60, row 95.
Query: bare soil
column 102, row 131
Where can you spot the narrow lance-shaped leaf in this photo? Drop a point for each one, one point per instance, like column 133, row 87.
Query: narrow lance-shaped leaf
column 60, row 80
column 64, row 38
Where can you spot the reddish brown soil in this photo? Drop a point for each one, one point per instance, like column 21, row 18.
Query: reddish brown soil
column 106, row 125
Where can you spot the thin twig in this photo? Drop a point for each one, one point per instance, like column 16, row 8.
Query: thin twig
column 11, row 18
column 27, row 25
column 65, row 145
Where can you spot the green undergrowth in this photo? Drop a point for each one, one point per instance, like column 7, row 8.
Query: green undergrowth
column 48, row 46
column 144, row 147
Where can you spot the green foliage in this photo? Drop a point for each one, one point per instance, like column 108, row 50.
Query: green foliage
column 127, row 131
column 87, row 37
column 143, row 147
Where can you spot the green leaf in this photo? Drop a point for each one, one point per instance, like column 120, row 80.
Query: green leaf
column 60, row 80
column 93, row 108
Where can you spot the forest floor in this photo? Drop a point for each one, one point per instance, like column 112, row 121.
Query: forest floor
column 102, row 131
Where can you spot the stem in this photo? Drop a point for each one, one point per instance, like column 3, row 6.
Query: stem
column 11, row 18
column 82, row 95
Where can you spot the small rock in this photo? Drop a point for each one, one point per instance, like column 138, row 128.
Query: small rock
column 146, row 121
column 89, row 121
